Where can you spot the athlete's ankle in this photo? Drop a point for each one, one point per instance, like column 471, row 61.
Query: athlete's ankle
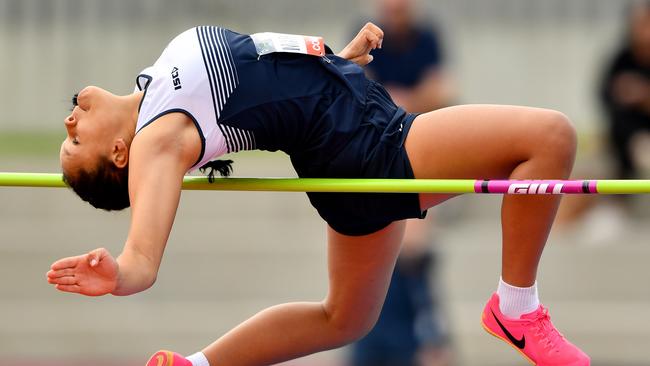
column 198, row 359
column 516, row 301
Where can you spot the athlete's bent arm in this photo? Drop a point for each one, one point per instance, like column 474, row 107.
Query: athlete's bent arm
column 155, row 178
column 158, row 161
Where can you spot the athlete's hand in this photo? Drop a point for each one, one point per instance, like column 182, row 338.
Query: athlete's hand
column 91, row 274
column 358, row 50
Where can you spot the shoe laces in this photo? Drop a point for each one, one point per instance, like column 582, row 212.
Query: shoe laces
column 549, row 336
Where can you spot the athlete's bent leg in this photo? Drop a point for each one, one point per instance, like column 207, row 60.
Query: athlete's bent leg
column 506, row 142
column 499, row 142
column 360, row 269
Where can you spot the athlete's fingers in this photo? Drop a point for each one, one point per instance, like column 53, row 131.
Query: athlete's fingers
column 69, row 288
column 364, row 60
column 69, row 262
column 67, row 280
column 371, row 38
column 96, row 256
column 60, row 273
column 375, row 30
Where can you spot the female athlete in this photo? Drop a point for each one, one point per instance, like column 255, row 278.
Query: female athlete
column 213, row 91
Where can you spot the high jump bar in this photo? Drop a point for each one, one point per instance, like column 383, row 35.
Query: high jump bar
column 444, row 186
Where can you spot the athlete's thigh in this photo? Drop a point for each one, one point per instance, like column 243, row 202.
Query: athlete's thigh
column 360, row 268
column 474, row 141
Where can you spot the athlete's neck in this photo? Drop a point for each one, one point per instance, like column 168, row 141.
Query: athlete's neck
column 130, row 110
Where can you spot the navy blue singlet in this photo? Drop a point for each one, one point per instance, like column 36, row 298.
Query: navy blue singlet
column 321, row 111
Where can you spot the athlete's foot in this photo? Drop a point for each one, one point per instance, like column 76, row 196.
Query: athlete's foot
column 533, row 335
column 167, row 358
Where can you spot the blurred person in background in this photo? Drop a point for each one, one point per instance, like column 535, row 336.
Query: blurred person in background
column 625, row 91
column 411, row 329
column 409, row 64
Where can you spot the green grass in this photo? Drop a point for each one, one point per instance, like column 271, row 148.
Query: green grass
column 30, row 144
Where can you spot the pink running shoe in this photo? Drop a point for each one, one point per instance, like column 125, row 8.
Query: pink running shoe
column 168, row 358
column 533, row 335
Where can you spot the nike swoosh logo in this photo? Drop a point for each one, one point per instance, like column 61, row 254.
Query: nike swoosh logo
column 519, row 343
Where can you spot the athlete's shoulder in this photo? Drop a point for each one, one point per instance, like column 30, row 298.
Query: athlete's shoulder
column 206, row 29
column 189, row 37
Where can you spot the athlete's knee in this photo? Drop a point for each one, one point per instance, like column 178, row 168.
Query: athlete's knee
column 348, row 326
column 557, row 135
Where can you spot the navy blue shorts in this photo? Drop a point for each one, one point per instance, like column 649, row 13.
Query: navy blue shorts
column 376, row 150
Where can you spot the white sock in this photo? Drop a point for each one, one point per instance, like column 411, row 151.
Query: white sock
column 198, row 359
column 516, row 301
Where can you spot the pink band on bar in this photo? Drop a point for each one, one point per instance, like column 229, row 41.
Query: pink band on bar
column 535, row 186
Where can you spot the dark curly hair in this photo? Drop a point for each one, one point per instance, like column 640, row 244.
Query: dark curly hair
column 106, row 187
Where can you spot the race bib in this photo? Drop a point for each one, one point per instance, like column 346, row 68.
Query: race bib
column 268, row 42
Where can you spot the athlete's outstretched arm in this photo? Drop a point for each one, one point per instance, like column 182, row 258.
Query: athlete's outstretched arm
column 358, row 50
column 158, row 161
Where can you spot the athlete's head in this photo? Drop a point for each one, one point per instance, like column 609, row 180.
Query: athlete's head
column 95, row 154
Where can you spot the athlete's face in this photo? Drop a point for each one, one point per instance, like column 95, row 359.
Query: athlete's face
column 90, row 130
